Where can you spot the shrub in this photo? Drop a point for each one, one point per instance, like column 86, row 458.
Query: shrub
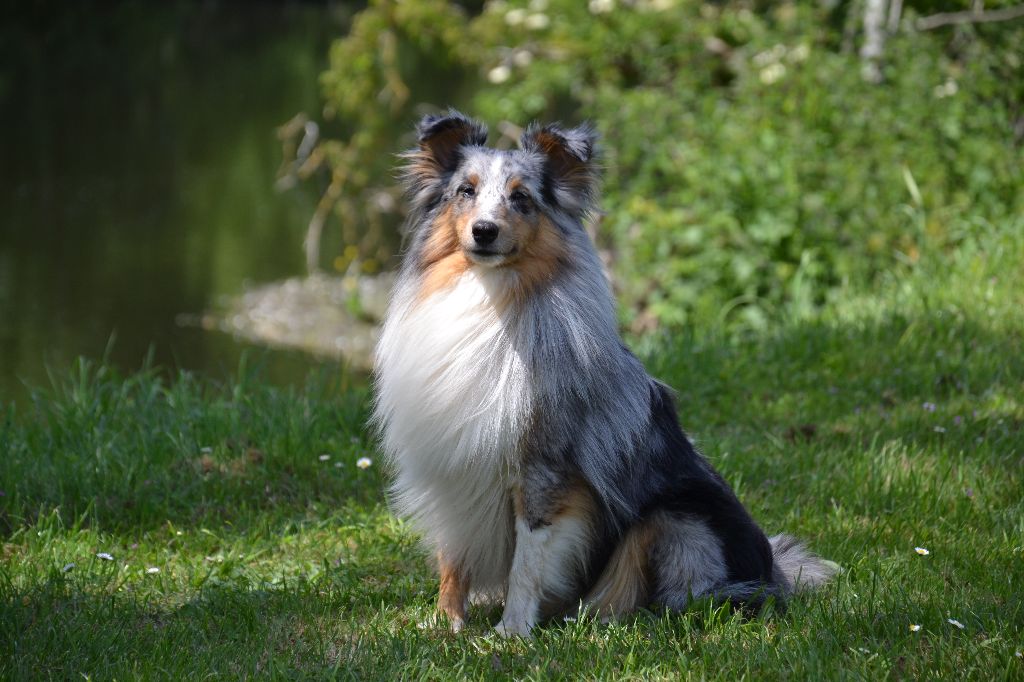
column 748, row 165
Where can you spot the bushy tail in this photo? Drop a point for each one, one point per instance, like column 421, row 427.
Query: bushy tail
column 796, row 567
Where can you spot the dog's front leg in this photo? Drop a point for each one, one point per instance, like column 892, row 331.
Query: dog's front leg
column 552, row 540
column 454, row 593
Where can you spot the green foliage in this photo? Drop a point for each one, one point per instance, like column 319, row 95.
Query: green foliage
column 748, row 164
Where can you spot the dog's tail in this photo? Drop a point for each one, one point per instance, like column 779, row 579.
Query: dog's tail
column 796, row 567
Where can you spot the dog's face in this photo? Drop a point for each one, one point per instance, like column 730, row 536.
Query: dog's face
column 492, row 206
column 498, row 209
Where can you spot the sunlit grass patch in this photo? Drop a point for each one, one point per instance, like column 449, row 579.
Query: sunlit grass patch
column 274, row 561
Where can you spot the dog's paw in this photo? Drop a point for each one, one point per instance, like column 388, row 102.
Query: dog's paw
column 512, row 628
column 440, row 621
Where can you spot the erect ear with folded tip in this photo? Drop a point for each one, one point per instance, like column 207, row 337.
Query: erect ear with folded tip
column 570, row 169
column 441, row 142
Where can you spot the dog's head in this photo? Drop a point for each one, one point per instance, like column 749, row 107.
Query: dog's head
column 499, row 209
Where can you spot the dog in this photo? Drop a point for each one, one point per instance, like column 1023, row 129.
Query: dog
column 530, row 449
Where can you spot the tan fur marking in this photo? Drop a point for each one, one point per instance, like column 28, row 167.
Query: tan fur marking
column 518, row 504
column 454, row 592
column 625, row 584
column 421, row 165
column 570, row 170
column 578, row 503
column 541, row 256
column 443, row 258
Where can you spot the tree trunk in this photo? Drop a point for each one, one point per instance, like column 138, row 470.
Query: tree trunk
column 873, row 49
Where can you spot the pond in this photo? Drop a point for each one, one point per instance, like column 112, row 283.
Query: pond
column 137, row 183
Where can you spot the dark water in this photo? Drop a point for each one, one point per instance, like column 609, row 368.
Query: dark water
column 137, row 162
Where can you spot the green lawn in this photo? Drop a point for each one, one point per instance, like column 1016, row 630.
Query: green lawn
column 891, row 420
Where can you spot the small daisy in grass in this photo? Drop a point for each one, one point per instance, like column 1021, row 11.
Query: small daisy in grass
column 324, row 458
column 364, row 462
column 955, row 622
column 914, row 627
column 152, row 570
column 922, row 551
column 67, row 567
column 105, row 556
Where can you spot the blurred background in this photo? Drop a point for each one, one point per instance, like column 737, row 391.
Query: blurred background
column 191, row 181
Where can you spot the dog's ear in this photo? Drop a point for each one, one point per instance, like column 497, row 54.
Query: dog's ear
column 440, row 144
column 570, row 167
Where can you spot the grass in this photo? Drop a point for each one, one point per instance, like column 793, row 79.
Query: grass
column 890, row 421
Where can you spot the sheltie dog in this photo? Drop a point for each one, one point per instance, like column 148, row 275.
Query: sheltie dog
column 530, row 448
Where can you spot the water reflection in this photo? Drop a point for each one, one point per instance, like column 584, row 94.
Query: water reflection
column 137, row 177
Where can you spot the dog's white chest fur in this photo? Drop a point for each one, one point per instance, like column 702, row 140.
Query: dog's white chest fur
column 453, row 400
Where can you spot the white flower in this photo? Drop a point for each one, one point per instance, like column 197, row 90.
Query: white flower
column 922, row 551
column 769, row 56
column 947, row 89
column 772, row 73
column 522, row 58
column 324, row 458
column 537, row 22
column 914, row 627
column 940, row 429
column 67, row 567
column 601, row 6
column 104, row 556
column 337, row 465
column 799, row 53
column 514, row 17
column 364, row 462
column 152, row 570
column 954, row 621
column 1019, row 654
column 206, row 450
column 499, row 74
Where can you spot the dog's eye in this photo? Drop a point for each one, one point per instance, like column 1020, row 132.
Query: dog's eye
column 467, row 191
column 521, row 200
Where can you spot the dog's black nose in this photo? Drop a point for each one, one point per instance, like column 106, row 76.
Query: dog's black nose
column 484, row 232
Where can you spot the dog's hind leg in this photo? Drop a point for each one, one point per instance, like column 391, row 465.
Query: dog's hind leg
column 454, row 594
column 553, row 539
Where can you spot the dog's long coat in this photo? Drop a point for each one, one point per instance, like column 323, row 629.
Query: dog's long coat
column 531, row 450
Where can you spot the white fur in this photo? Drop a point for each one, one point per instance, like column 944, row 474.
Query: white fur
column 800, row 568
column 454, row 402
column 542, row 567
